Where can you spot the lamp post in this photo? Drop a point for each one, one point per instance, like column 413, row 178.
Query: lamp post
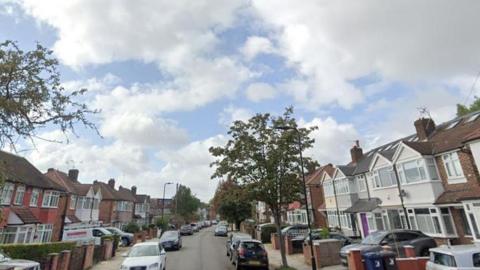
column 163, row 199
column 300, row 146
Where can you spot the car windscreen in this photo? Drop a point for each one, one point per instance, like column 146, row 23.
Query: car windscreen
column 3, row 257
column 147, row 250
column 169, row 234
column 253, row 246
column 186, row 227
column 374, row 238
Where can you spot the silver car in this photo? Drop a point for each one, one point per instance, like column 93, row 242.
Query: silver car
column 7, row 262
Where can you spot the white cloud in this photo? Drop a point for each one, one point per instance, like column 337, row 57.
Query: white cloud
column 256, row 45
column 259, row 91
column 331, row 43
column 332, row 140
column 231, row 114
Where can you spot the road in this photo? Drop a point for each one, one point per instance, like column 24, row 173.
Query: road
column 201, row 251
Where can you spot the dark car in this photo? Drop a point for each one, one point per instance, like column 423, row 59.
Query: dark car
column 396, row 240
column 250, row 253
column 233, row 242
column 316, row 235
column 171, row 240
column 186, row 230
column 298, row 230
column 221, row 231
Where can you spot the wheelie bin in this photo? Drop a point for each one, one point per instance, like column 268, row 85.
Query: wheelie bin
column 389, row 261
column 373, row 261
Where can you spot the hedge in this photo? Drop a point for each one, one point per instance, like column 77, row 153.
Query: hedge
column 36, row 252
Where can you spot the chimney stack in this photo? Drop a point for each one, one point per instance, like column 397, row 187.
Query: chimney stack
column 73, row 174
column 50, row 170
column 356, row 152
column 111, row 183
column 134, row 190
column 424, row 127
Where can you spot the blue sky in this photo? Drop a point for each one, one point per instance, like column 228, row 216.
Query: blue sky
column 170, row 76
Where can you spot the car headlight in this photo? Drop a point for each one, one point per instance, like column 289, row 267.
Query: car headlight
column 123, row 267
column 153, row 267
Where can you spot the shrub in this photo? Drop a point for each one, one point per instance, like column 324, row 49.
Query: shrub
column 36, row 252
column 266, row 232
column 131, row 228
column 324, row 233
column 162, row 223
column 152, row 226
column 144, row 227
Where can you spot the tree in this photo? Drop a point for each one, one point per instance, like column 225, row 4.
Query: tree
column 265, row 161
column 463, row 110
column 187, row 203
column 233, row 202
column 32, row 96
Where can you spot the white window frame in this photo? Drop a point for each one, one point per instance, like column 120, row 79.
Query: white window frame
column 328, row 189
column 434, row 213
column 427, row 164
column 44, row 233
column 472, row 210
column 361, row 183
column 342, row 186
column 451, row 163
column 73, row 201
column 19, row 195
column 50, row 199
column 22, row 234
column 377, row 182
column 7, row 193
column 34, row 197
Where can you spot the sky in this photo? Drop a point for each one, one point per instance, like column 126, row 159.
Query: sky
column 170, row 76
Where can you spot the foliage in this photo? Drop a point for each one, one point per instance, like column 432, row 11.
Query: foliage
column 32, row 97
column 131, row 227
column 144, row 227
column 232, row 202
column 324, row 233
column 463, row 110
column 266, row 160
column 152, row 226
column 36, row 252
column 162, row 223
column 187, row 203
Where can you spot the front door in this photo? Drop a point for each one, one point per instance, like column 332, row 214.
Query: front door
column 363, row 218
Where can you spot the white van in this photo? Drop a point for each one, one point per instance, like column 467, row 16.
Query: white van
column 85, row 235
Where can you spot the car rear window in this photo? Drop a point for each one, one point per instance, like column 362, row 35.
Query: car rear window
column 443, row 259
column 254, row 246
column 476, row 260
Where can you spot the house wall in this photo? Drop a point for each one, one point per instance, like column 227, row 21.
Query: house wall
column 317, row 200
column 422, row 193
column 475, row 147
column 388, row 195
column 470, row 172
column 106, row 211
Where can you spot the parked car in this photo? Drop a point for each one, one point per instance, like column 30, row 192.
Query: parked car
column 316, row 235
column 125, row 238
column 299, row 230
column 7, row 263
column 233, row 241
column 146, row 255
column 396, row 239
column 250, row 253
column 214, row 222
column 186, row 230
column 221, row 231
column 86, row 235
column 195, row 227
column 454, row 257
column 171, row 240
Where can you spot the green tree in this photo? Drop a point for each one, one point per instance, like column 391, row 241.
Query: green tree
column 463, row 110
column 233, row 202
column 187, row 203
column 265, row 161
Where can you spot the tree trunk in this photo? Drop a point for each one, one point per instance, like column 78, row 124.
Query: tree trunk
column 237, row 225
column 278, row 221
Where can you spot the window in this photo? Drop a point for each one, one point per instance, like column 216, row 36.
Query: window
column 73, row 200
column 452, row 166
column 342, row 186
column 465, row 227
column 443, row 259
column 50, row 199
column 7, row 192
column 361, row 184
column 453, row 124
column 472, row 118
column 96, row 203
column 432, row 169
column 34, row 197
column 379, row 222
column 384, row 177
column 447, row 220
column 432, row 221
column 80, row 202
column 425, row 222
column 19, row 194
column 476, row 260
column 8, row 235
column 328, row 189
column 16, row 234
column 44, row 233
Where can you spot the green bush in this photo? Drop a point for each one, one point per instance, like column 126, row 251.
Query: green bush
column 266, row 232
column 36, row 252
column 324, row 233
column 131, row 228
column 162, row 223
column 152, row 226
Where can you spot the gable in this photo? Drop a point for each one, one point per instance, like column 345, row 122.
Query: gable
column 404, row 152
column 379, row 161
column 338, row 174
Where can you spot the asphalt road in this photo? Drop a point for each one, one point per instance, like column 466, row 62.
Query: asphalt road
column 201, row 251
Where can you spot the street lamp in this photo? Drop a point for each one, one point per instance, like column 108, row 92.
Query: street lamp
column 310, row 242
column 163, row 200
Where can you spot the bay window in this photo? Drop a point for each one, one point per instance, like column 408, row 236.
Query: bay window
column 7, row 192
column 50, row 199
column 432, row 221
column 361, row 184
column 19, row 194
column 44, row 233
column 384, row 177
column 472, row 210
column 34, row 197
column 73, row 201
column 328, row 189
column 333, row 218
column 453, row 167
column 342, row 186
column 417, row 170
column 80, row 202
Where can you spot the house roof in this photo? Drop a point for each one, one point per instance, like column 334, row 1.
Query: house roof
column 108, row 193
column 347, row 170
column 125, row 194
column 70, row 185
column 25, row 215
column 364, row 205
column 457, row 196
column 424, row 148
column 20, row 170
column 73, row 219
column 315, row 176
column 141, row 198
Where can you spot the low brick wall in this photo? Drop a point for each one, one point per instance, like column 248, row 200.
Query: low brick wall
column 411, row 262
column 327, row 252
column 275, row 241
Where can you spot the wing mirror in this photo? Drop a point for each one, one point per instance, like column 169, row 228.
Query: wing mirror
column 163, row 252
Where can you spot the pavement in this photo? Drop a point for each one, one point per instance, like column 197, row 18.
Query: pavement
column 204, row 251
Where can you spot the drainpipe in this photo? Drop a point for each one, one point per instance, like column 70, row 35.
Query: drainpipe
column 400, row 194
column 366, row 184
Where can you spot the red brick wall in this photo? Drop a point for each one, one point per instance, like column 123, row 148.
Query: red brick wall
column 316, row 193
column 105, row 213
column 469, row 170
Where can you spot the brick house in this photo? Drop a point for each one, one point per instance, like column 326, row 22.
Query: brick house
column 141, row 213
column 124, row 209
column 156, row 207
column 116, row 206
column 315, row 197
column 31, row 204
column 83, row 199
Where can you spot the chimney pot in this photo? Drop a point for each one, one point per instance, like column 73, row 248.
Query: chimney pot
column 356, row 152
column 111, row 183
column 425, row 127
column 50, row 170
column 134, row 190
column 73, row 174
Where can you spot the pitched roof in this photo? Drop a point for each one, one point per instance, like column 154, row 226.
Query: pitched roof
column 25, row 215
column 315, row 176
column 125, row 194
column 108, row 193
column 424, row 148
column 364, row 205
column 347, row 170
column 457, row 196
column 18, row 169
column 70, row 185
column 73, row 219
column 140, row 198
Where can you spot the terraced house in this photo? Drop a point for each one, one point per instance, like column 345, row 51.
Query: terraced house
column 427, row 181
column 31, row 204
